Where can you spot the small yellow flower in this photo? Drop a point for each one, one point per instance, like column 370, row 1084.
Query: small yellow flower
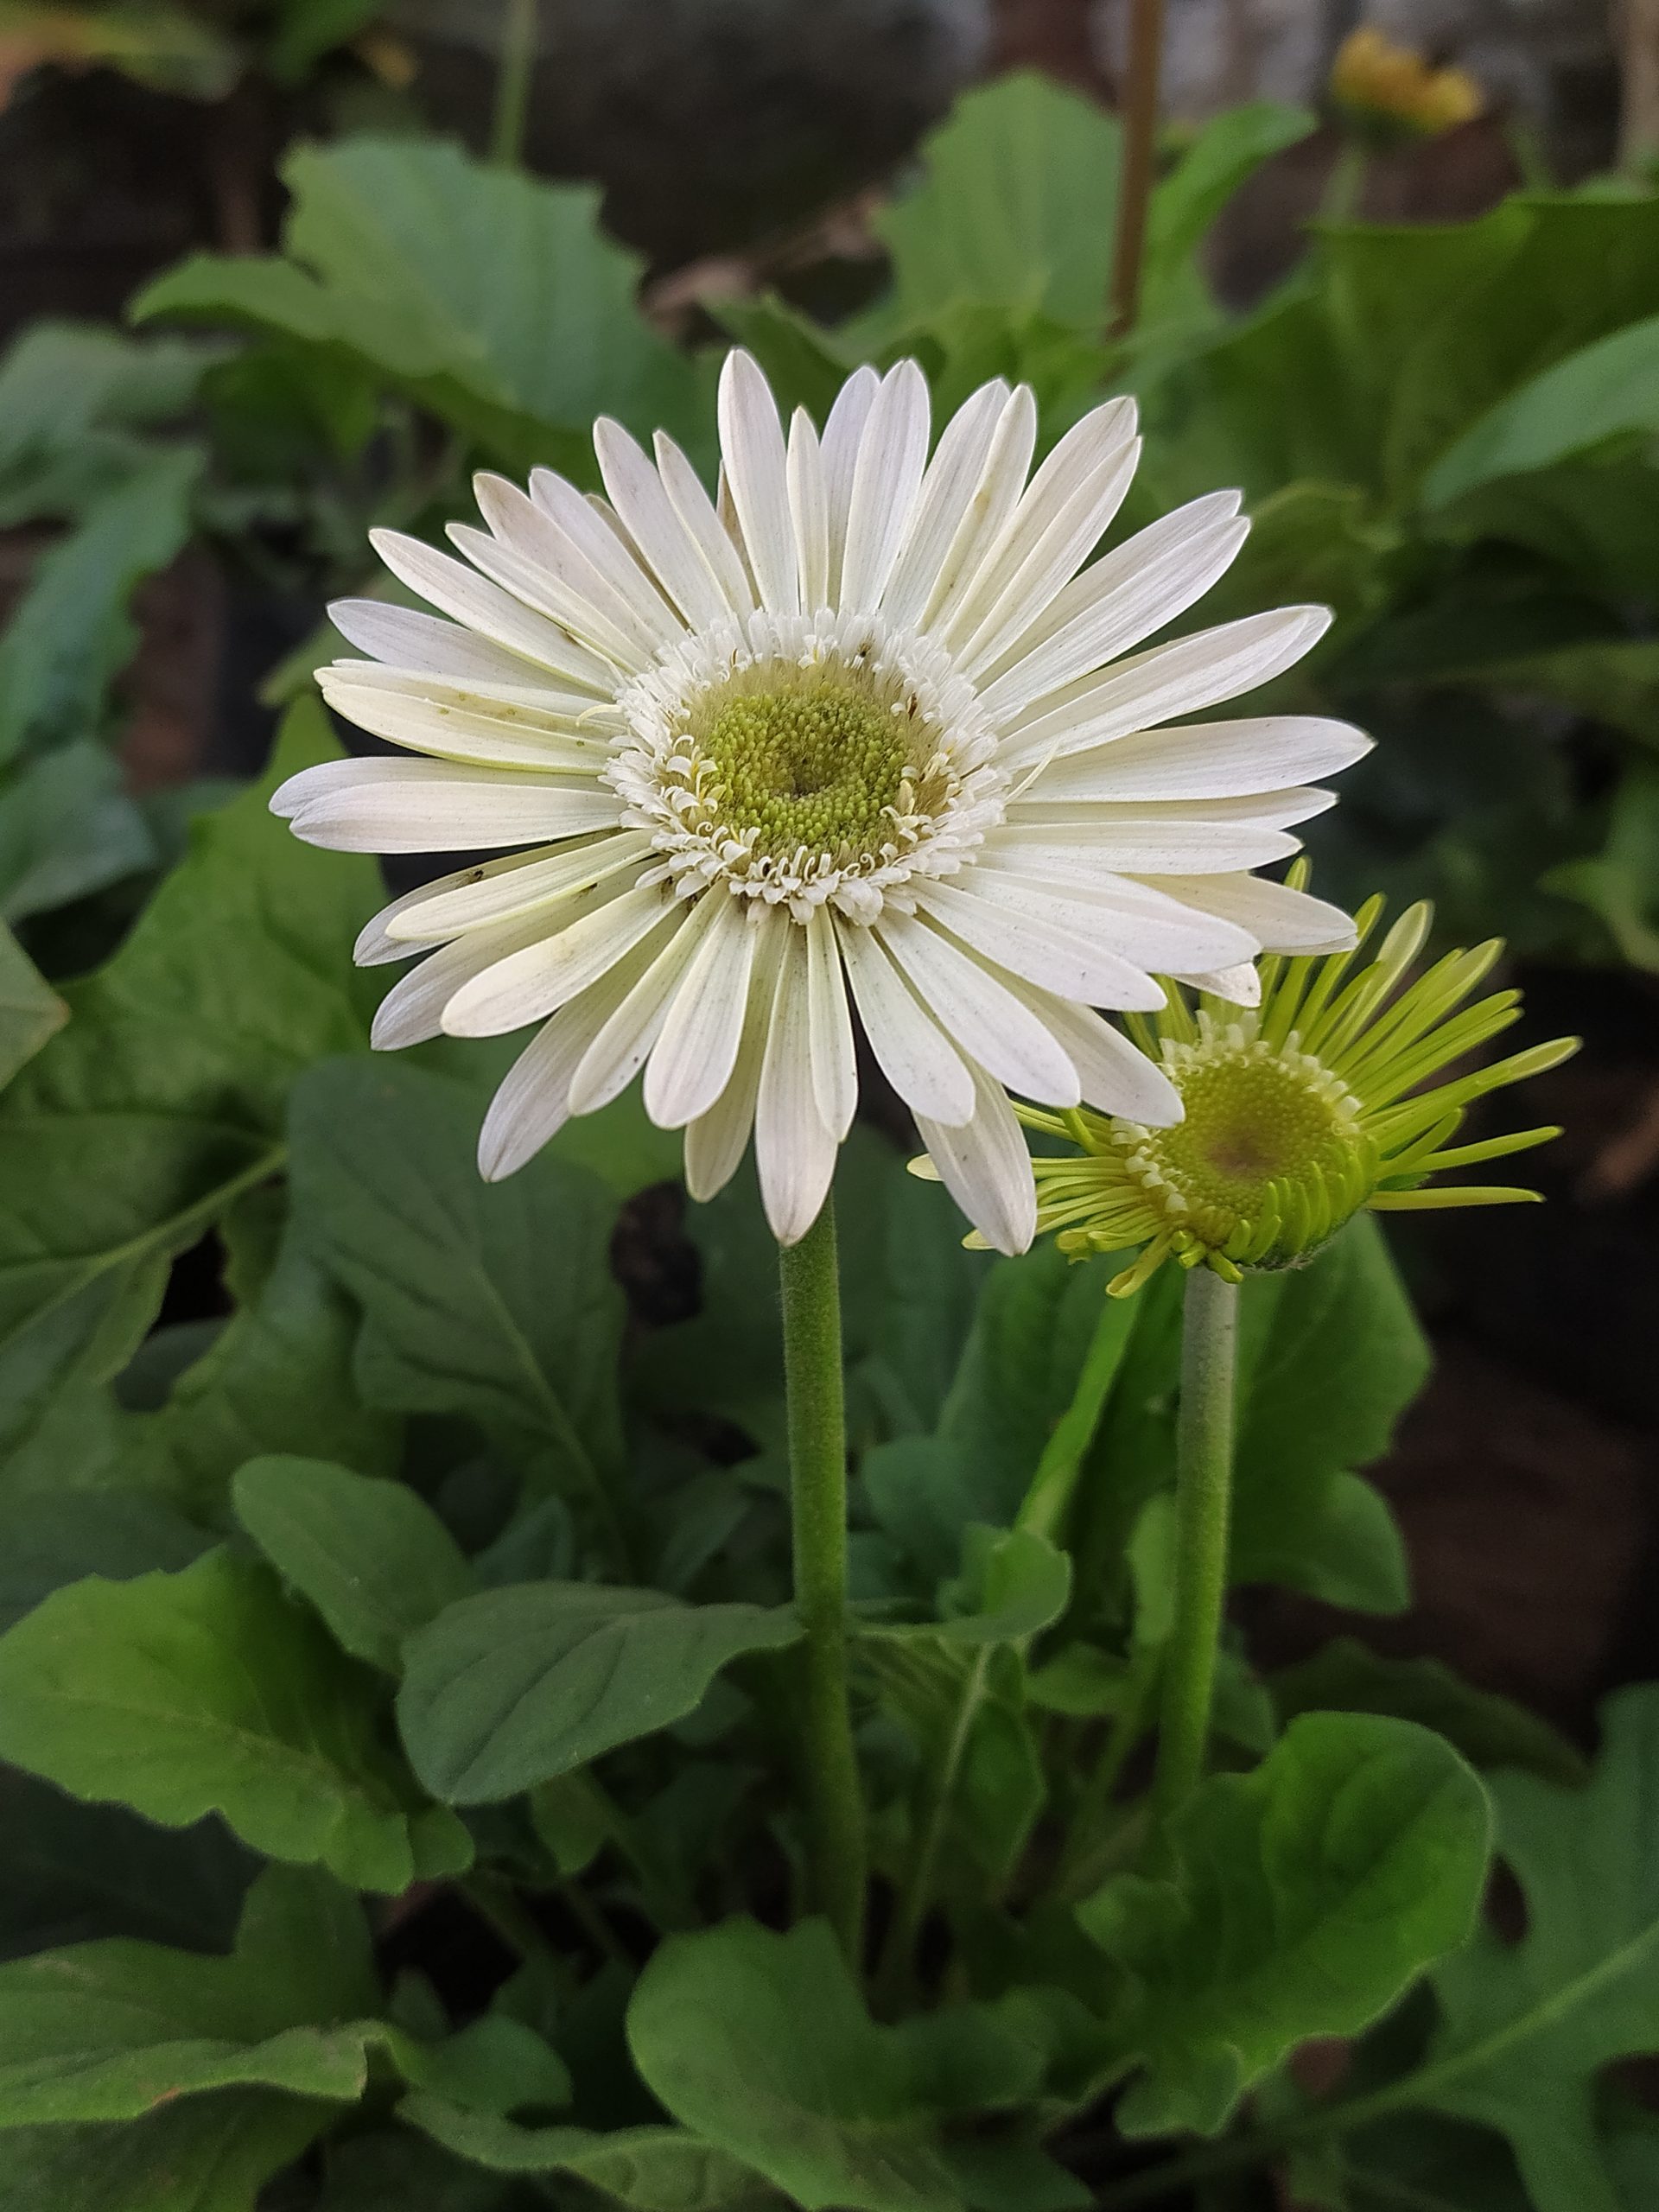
column 1382, row 87
column 1298, row 1112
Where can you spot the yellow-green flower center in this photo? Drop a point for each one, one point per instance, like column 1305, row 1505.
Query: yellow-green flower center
column 818, row 765
column 1253, row 1120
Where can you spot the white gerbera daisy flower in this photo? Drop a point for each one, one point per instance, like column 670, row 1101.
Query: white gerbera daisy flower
column 846, row 740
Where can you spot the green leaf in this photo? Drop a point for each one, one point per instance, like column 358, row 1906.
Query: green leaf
column 1605, row 390
column 648, row 2169
column 508, row 1688
column 67, row 828
column 1015, row 1584
column 997, row 217
column 1490, row 1731
column 1225, row 153
column 30, row 1010
column 47, row 1542
column 371, row 1556
column 207, row 1691
column 760, row 2043
column 64, row 383
column 494, row 1301
column 70, row 634
column 1614, row 681
column 390, row 2169
column 1330, row 1355
column 492, row 298
column 1528, row 2026
column 164, row 1097
column 211, row 2153
column 1618, row 885
column 109, row 2031
column 1304, row 1898
column 277, row 1378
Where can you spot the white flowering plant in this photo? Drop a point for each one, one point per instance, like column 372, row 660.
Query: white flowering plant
column 788, row 1180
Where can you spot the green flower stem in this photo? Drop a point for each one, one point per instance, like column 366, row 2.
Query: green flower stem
column 1048, row 1500
column 1140, row 109
column 520, row 23
column 817, row 1466
column 1204, row 1481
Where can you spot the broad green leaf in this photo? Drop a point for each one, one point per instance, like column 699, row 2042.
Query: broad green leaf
column 30, row 1010
column 1490, row 1731
column 62, row 384
column 492, row 298
column 68, row 828
column 1618, row 885
column 75, row 1871
column 371, row 1556
column 510, row 1688
column 1528, row 2026
column 1226, row 152
column 164, row 1097
column 760, row 2043
column 648, row 2169
column 211, row 2153
column 1606, row 389
column 1014, row 208
column 391, row 2170
column 209, row 1691
column 109, row 2031
column 1329, row 1357
column 1304, row 1898
column 277, row 1378
column 70, row 634
column 47, row 1542
column 1014, row 1584
column 493, row 1301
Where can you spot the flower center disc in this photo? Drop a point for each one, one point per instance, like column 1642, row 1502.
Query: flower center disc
column 1251, row 1122
column 815, row 766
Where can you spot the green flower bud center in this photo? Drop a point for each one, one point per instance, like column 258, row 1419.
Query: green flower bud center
column 1252, row 1120
column 818, row 765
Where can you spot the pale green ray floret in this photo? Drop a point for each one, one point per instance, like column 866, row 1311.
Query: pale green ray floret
column 817, row 766
column 1297, row 1113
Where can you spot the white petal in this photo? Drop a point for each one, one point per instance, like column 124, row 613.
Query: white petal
column 1149, row 580
column 676, row 556
column 1118, row 1077
column 1081, row 821
column 545, row 583
column 1122, row 841
column 983, row 1015
column 911, row 1051
column 1278, row 919
column 598, row 534
column 393, row 935
column 1208, row 759
column 408, row 639
column 432, row 806
column 1181, row 678
column 987, row 1169
column 1065, row 509
column 694, row 1058
column 1079, row 967
column 995, row 499
column 507, row 738
column 892, row 455
column 548, row 975
column 844, row 427
column 714, row 1142
column 412, row 1010
column 620, row 1050
column 793, row 1151
column 953, row 477
column 752, row 444
column 594, row 599
column 500, row 891
column 485, row 607
column 835, row 1064
column 1239, row 986
column 1147, row 927
column 532, row 1103
column 696, row 512
column 809, row 503
column 534, row 695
